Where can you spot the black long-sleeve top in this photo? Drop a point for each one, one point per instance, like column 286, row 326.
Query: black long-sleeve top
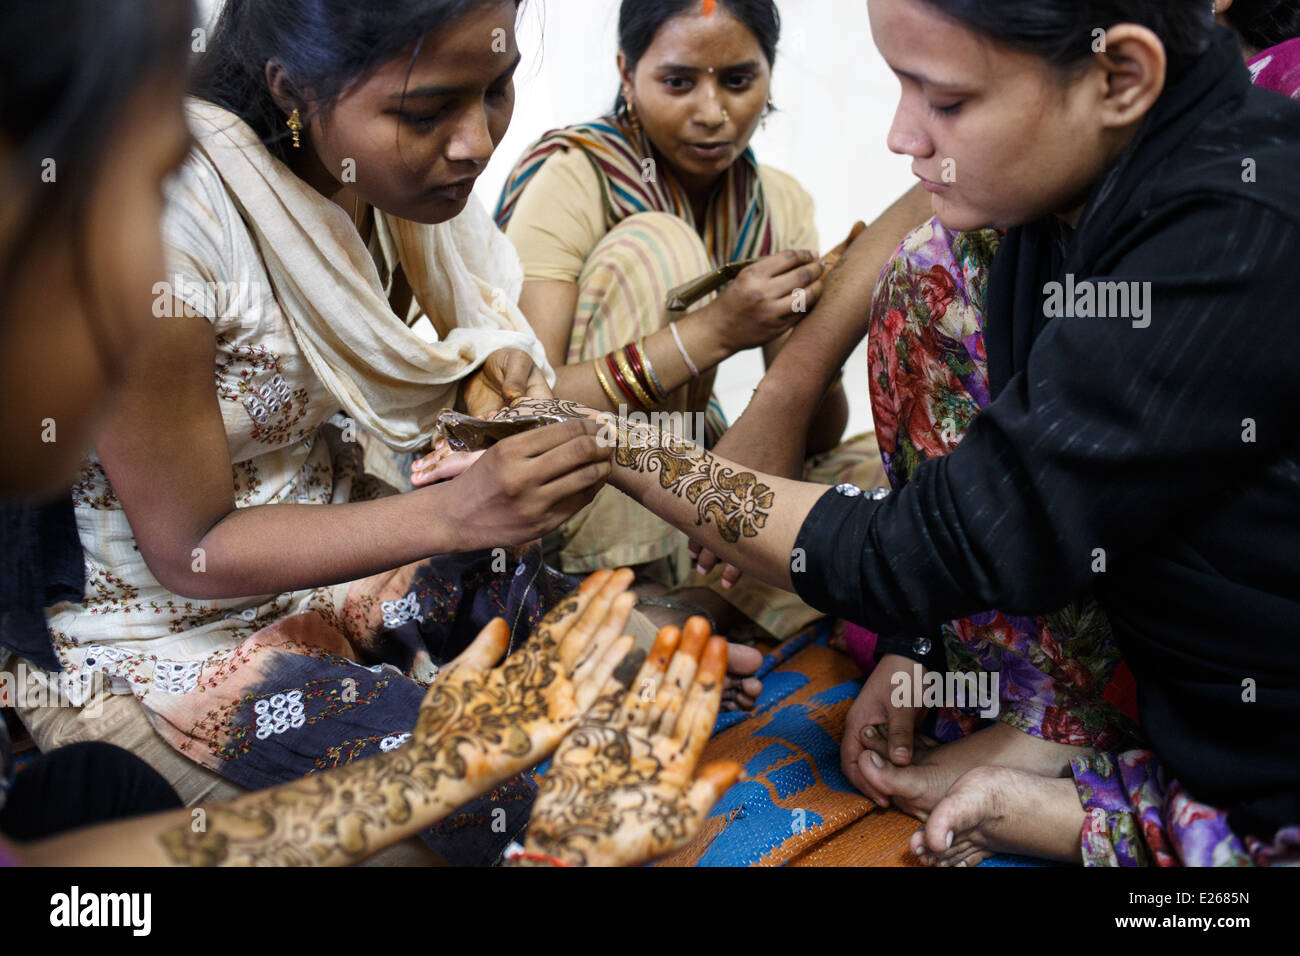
column 1171, row 450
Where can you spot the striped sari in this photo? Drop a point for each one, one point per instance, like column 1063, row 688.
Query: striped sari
column 633, row 179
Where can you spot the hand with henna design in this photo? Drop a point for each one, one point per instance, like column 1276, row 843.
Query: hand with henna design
column 443, row 464
column 479, row 725
column 623, row 787
column 484, row 723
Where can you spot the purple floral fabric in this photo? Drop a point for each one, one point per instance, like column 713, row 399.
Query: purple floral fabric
column 1136, row 816
column 929, row 380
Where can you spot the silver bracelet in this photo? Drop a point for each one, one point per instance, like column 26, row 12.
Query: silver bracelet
column 677, row 337
column 650, row 372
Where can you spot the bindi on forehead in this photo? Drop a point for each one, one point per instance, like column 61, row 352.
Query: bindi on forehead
column 721, row 43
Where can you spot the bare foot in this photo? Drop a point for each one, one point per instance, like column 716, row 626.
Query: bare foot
column 740, row 689
column 918, row 787
column 996, row 810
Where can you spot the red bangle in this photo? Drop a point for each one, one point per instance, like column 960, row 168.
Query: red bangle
column 633, row 355
column 620, row 380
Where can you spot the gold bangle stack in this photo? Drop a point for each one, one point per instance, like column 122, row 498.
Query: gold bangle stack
column 633, row 380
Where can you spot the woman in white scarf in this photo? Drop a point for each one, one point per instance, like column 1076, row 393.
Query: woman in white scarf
column 322, row 215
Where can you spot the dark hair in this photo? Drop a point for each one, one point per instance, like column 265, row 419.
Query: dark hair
column 1062, row 31
column 68, row 69
column 324, row 46
column 639, row 22
column 1265, row 23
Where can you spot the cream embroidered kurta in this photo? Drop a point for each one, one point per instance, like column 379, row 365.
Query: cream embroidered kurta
column 275, row 407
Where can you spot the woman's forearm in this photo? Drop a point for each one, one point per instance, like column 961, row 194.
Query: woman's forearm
column 829, row 423
column 817, row 349
column 747, row 518
column 550, row 308
column 270, row 549
column 327, row 819
column 578, row 382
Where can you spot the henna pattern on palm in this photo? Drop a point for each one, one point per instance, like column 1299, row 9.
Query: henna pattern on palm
column 608, row 784
column 479, row 725
column 622, row 788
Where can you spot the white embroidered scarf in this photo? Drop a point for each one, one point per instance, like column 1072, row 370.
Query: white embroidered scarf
column 465, row 276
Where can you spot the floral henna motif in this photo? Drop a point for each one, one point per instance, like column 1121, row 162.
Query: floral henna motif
column 338, row 817
column 476, row 728
column 608, row 782
column 735, row 501
column 551, row 406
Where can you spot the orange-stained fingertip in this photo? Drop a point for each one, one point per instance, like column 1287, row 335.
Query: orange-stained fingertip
column 695, row 636
column 623, row 577
column 498, row 629
column 665, row 644
column 594, row 580
column 698, row 624
column 713, row 665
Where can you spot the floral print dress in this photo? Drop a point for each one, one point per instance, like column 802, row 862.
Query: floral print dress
column 929, row 380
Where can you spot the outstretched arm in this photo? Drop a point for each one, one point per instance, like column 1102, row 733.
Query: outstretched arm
column 780, row 425
column 479, row 725
column 749, row 518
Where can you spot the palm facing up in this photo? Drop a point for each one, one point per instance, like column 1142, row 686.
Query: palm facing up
column 481, row 723
column 622, row 789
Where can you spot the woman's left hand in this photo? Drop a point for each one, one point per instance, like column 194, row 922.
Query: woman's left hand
column 505, row 377
column 484, row 721
column 623, row 787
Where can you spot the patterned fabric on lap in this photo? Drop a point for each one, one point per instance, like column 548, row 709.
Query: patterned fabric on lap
column 797, row 806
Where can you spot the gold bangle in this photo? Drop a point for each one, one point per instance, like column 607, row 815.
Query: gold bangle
column 642, row 396
column 605, row 386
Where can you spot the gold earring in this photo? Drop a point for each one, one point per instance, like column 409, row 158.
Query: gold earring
column 633, row 118
column 295, row 127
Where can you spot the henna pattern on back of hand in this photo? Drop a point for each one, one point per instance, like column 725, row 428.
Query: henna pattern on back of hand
column 733, row 499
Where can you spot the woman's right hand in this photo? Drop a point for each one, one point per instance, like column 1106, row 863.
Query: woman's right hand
column 526, row 486
column 624, row 787
column 875, row 719
column 761, row 304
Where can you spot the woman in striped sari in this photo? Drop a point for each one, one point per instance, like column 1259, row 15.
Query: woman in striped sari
column 609, row 215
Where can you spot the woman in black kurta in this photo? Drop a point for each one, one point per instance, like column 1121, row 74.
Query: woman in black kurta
column 1160, row 444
